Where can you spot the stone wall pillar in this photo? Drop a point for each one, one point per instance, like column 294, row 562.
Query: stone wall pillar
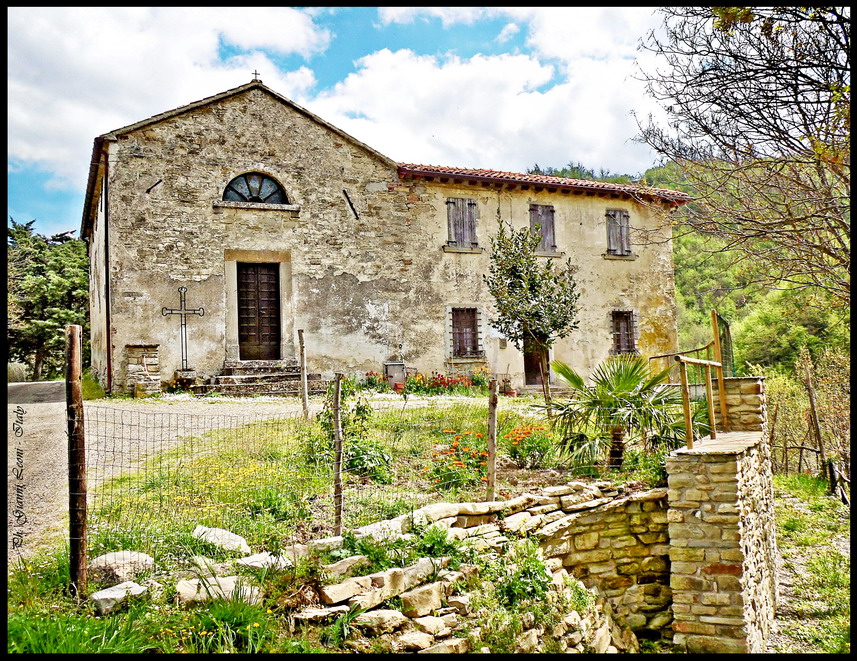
column 723, row 551
column 746, row 405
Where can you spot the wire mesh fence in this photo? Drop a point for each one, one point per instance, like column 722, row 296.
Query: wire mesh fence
column 154, row 475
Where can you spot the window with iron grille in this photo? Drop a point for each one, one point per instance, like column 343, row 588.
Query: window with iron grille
column 618, row 233
column 541, row 221
column 465, row 333
column 624, row 332
column 461, row 219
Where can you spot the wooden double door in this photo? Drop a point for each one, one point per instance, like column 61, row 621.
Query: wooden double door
column 259, row 327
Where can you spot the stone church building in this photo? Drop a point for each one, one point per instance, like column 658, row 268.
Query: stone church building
column 219, row 229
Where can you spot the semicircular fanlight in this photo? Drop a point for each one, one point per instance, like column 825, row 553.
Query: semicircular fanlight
column 255, row 187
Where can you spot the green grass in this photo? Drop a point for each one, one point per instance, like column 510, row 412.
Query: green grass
column 808, row 520
column 261, row 482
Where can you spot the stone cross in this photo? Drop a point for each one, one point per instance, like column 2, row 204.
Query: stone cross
column 256, row 76
column 183, row 312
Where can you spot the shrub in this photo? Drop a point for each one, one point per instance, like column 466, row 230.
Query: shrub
column 436, row 384
column 462, row 462
column 531, row 446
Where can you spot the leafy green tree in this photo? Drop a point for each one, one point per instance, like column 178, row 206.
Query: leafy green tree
column 48, row 289
column 624, row 398
column 534, row 302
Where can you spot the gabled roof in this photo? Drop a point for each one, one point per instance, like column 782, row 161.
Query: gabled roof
column 442, row 173
column 513, row 179
column 95, row 162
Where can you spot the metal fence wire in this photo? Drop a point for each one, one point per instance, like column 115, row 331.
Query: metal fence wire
column 153, row 476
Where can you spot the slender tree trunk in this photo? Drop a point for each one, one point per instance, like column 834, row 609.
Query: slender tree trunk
column 38, row 362
column 617, row 448
column 545, row 370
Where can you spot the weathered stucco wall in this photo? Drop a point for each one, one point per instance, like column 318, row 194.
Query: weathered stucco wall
column 360, row 249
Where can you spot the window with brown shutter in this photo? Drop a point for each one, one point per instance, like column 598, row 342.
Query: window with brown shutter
column 618, row 233
column 461, row 220
column 541, row 221
column 465, row 333
column 624, row 332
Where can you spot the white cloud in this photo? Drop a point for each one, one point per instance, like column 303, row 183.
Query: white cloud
column 77, row 72
column 447, row 15
column 509, row 30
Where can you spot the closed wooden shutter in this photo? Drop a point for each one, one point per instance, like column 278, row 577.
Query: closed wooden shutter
column 618, row 232
column 461, row 221
column 542, row 217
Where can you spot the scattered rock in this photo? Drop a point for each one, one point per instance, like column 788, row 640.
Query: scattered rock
column 106, row 600
column 222, row 587
column 414, row 641
column 119, row 566
column 345, row 565
column 222, row 538
column 381, row 620
column 266, row 559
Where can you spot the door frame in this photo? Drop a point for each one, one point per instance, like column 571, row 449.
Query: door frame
column 538, row 375
column 281, row 257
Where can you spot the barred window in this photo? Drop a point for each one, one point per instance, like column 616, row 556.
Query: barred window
column 461, row 220
column 618, row 233
column 624, row 332
column 465, row 333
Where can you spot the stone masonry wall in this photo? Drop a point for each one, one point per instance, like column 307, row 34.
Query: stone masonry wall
column 615, row 544
column 746, row 406
column 721, row 527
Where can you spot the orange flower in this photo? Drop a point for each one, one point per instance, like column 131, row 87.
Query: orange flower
column 478, row 435
column 484, row 479
column 466, row 449
column 448, row 431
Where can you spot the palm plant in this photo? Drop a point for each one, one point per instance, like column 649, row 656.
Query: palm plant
column 624, row 398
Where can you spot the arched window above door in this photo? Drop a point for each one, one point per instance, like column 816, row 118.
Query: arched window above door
column 255, row 187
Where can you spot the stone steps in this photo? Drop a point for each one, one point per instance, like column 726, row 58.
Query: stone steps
column 261, row 377
column 290, row 388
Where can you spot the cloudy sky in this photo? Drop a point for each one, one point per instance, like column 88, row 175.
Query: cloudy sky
column 499, row 88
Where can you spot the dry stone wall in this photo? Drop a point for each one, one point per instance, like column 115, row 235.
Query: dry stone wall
column 722, row 538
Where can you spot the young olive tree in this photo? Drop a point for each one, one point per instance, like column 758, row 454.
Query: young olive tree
column 535, row 302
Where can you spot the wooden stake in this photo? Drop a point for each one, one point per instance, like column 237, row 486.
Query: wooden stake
column 816, row 427
column 685, row 402
column 337, row 456
column 709, row 400
column 492, row 440
column 76, row 461
column 304, row 388
column 721, row 382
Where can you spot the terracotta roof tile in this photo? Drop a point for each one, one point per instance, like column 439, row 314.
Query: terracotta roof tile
column 517, row 177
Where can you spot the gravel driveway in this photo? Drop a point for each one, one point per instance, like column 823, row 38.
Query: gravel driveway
column 120, row 435
column 37, row 453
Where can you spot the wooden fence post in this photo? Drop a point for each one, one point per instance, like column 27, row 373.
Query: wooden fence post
column 337, row 456
column 685, row 402
column 491, row 476
column 816, row 427
column 304, row 388
column 76, row 461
